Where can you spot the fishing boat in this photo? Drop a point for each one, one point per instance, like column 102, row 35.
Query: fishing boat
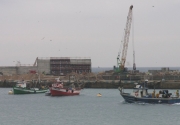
column 21, row 88
column 58, row 89
column 140, row 95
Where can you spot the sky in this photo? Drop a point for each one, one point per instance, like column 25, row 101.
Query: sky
column 90, row 28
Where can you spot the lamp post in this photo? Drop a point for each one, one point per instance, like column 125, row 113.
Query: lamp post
column 38, row 77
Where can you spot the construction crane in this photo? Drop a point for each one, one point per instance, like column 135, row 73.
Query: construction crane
column 134, row 65
column 121, row 63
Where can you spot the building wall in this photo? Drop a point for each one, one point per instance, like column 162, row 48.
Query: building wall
column 8, row 70
column 80, row 61
column 80, row 65
column 60, row 66
column 25, row 69
column 43, row 65
column 63, row 66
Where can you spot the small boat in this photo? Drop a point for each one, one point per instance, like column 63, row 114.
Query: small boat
column 58, row 89
column 21, row 88
column 99, row 95
column 48, row 93
column 140, row 95
column 10, row 92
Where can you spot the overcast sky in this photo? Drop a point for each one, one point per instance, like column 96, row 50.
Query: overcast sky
column 90, row 28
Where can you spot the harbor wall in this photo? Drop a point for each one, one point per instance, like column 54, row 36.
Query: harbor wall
column 130, row 85
column 108, row 85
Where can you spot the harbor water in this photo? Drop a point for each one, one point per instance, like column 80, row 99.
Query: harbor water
column 85, row 109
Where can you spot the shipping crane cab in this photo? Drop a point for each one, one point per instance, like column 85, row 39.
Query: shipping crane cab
column 118, row 70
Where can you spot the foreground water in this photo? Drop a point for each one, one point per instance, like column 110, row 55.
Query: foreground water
column 85, row 109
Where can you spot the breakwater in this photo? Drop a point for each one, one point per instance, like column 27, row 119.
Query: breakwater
column 92, row 80
column 130, row 84
column 108, row 84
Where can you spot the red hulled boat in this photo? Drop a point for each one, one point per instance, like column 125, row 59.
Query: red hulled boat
column 58, row 89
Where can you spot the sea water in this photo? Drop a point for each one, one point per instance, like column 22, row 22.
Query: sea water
column 85, row 109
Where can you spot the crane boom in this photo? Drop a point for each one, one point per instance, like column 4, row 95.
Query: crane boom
column 126, row 38
column 134, row 65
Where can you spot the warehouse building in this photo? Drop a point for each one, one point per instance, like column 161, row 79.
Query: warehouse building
column 51, row 66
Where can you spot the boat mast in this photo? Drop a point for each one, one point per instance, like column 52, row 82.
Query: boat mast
column 60, row 70
column 39, row 78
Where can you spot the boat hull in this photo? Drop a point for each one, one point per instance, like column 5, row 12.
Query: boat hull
column 18, row 90
column 48, row 93
column 63, row 92
column 132, row 99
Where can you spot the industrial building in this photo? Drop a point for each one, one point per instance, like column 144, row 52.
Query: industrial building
column 50, row 66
